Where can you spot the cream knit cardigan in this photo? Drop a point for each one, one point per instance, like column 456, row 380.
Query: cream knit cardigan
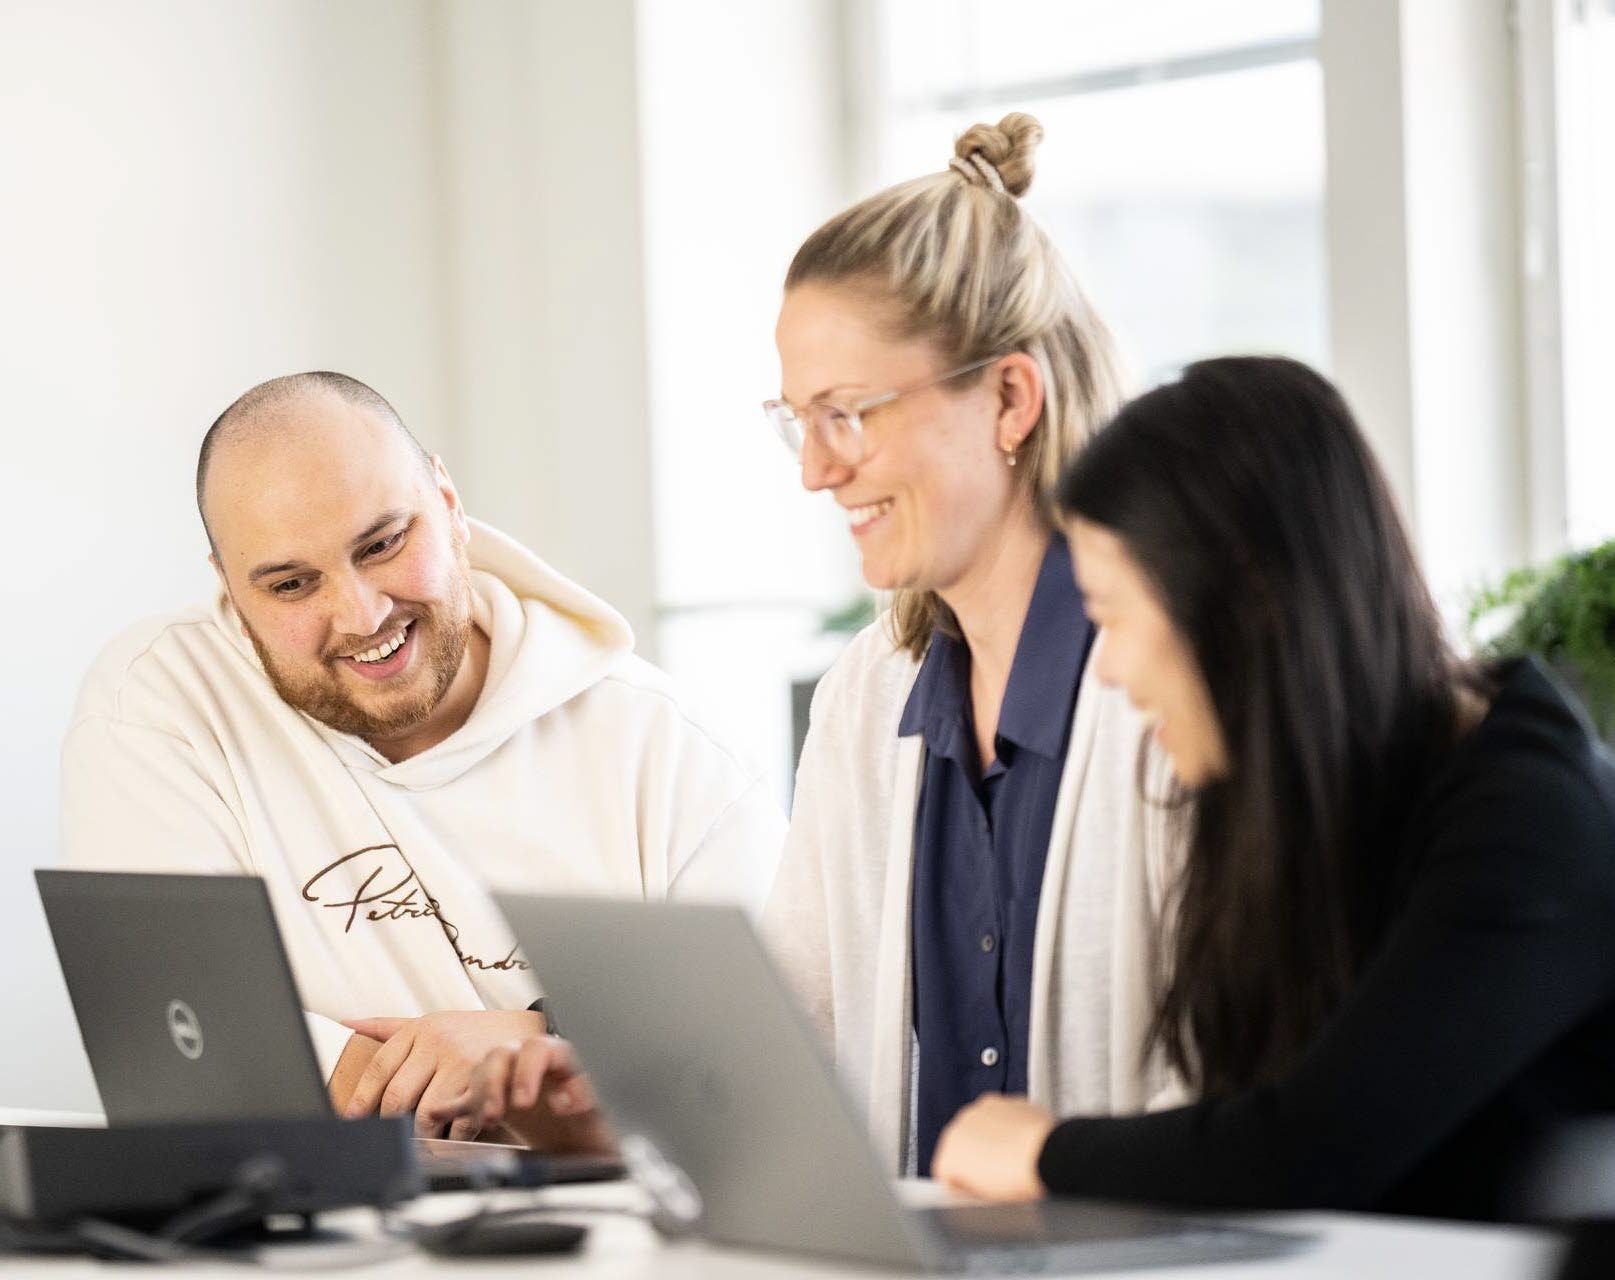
column 839, row 915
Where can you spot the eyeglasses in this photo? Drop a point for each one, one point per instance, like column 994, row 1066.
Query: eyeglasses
column 841, row 430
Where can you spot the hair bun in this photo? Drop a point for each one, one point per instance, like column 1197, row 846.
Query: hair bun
column 1010, row 146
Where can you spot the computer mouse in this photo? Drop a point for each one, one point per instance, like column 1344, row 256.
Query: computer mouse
column 503, row 1237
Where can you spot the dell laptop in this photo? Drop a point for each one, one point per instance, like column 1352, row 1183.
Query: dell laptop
column 697, row 1048
column 189, row 1013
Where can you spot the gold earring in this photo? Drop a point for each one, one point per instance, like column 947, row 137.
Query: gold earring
column 1009, row 456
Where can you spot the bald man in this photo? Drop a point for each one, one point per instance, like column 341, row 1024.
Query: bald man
column 386, row 709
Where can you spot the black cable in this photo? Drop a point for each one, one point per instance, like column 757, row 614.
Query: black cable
column 115, row 1242
column 249, row 1197
column 246, row 1201
column 182, row 1238
column 29, row 1237
column 112, row 1241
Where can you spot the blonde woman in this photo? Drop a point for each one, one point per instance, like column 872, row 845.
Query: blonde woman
column 969, row 890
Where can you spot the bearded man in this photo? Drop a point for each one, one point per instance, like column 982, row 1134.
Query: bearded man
column 388, row 709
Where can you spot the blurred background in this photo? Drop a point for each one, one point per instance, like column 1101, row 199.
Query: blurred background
column 553, row 234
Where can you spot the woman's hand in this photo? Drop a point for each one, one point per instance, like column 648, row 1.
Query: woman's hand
column 990, row 1148
column 536, row 1089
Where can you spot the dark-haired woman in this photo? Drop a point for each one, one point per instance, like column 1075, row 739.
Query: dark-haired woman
column 1394, row 960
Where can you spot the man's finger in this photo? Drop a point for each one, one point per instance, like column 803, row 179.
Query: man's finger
column 404, row 1091
column 378, row 1075
column 453, row 1108
column 465, row 1129
column 382, row 1029
column 490, row 1085
column 436, row 1107
column 533, row 1061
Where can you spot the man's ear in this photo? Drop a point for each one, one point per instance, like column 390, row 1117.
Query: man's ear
column 1020, row 399
column 451, row 500
column 224, row 586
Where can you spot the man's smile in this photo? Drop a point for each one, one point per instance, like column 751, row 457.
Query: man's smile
column 385, row 660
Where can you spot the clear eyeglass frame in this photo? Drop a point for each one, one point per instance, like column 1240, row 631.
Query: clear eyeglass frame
column 841, row 429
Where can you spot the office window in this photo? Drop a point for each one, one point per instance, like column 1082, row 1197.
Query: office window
column 740, row 161
column 1587, row 258
column 1182, row 173
column 1182, row 176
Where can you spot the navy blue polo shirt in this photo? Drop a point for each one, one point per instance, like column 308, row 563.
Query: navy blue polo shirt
column 980, row 842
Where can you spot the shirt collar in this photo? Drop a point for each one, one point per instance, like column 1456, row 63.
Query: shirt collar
column 1053, row 646
column 936, row 705
column 1049, row 657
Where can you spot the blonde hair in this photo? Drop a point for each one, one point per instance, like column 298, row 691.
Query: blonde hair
column 961, row 263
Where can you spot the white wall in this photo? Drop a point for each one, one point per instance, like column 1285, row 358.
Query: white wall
column 540, row 185
column 195, row 195
column 191, row 200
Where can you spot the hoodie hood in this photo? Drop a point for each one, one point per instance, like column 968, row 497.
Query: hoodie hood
column 549, row 640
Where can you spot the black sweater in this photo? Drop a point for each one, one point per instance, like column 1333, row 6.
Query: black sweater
column 1484, row 1017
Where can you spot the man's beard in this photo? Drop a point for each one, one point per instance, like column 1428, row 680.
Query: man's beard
column 440, row 634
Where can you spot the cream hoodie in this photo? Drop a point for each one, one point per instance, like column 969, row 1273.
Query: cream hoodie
column 578, row 771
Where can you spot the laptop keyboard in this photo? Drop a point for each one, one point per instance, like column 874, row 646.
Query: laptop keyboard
column 1054, row 1237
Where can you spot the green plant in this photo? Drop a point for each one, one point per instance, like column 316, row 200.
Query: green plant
column 855, row 615
column 1564, row 611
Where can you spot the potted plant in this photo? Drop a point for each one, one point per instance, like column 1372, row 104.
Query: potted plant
column 1563, row 611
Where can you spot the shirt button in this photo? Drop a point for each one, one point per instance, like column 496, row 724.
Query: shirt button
column 988, row 942
column 989, row 1057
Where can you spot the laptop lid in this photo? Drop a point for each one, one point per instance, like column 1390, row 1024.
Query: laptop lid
column 693, row 1041
column 184, row 996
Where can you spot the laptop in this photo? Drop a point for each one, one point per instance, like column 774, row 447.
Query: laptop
column 696, row 1047
column 189, row 1013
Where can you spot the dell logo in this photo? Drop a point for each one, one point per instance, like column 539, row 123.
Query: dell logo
column 185, row 1029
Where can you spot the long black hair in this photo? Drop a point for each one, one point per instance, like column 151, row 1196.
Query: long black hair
column 1249, row 498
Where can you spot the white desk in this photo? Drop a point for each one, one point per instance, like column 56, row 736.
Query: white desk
column 1349, row 1247
column 45, row 1119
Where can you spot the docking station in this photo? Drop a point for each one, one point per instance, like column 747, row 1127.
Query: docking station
column 140, row 1174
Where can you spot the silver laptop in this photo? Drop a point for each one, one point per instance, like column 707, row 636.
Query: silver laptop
column 189, row 1012
column 695, row 1045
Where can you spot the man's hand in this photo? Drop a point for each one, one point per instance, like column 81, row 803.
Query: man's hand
column 991, row 1148
column 538, row 1092
column 425, row 1063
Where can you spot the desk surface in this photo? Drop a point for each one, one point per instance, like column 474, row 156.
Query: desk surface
column 1348, row 1247
column 63, row 1119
